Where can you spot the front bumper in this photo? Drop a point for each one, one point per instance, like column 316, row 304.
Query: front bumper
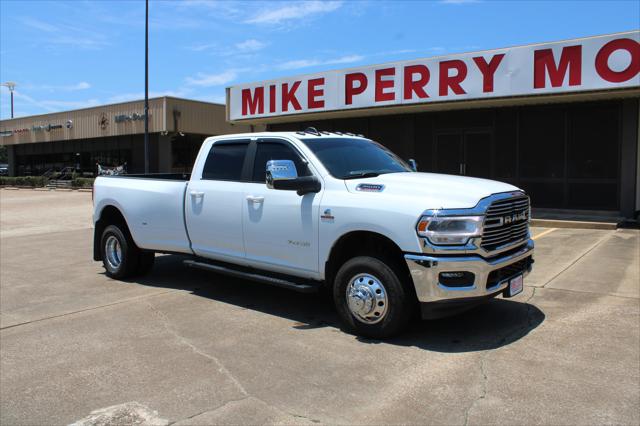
column 490, row 275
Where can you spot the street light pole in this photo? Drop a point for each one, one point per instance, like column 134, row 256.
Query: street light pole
column 146, row 88
column 11, row 86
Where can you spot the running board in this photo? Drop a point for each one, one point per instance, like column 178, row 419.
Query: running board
column 254, row 276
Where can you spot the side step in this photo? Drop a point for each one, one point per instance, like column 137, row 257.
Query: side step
column 254, row 276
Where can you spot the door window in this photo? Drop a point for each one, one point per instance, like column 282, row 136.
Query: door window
column 267, row 151
column 225, row 161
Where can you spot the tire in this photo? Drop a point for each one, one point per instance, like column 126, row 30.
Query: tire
column 381, row 303
column 146, row 259
column 119, row 253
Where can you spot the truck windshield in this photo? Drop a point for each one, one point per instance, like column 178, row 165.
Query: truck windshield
column 355, row 158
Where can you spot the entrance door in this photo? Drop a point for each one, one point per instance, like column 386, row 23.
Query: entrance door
column 477, row 154
column 466, row 153
column 449, row 155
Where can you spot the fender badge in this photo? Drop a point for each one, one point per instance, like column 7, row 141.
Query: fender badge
column 370, row 187
column 327, row 215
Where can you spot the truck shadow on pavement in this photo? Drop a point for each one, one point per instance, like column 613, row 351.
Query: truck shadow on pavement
column 494, row 324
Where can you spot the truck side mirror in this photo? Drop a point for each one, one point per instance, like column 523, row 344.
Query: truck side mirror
column 413, row 164
column 280, row 170
column 283, row 175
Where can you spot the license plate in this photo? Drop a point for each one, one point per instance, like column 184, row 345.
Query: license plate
column 515, row 285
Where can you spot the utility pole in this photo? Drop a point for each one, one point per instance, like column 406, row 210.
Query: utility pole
column 146, row 88
column 11, row 86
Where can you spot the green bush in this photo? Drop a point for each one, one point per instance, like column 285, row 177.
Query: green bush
column 34, row 181
column 82, row 182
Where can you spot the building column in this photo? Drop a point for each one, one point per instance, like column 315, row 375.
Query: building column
column 11, row 159
column 629, row 158
column 164, row 154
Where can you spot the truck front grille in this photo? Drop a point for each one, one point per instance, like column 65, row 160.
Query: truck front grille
column 506, row 222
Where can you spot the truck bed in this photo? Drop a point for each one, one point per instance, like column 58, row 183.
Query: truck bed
column 153, row 205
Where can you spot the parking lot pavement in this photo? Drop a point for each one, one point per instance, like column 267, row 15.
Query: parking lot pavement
column 196, row 348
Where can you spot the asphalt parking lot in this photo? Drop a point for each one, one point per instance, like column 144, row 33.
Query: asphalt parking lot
column 190, row 347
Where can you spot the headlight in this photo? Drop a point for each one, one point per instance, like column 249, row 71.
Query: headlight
column 452, row 230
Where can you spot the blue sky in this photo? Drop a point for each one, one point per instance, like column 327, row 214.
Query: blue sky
column 71, row 54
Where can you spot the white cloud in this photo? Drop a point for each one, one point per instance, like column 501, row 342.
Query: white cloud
column 83, row 85
column 251, row 45
column 54, row 104
column 136, row 96
column 202, row 47
column 66, row 35
column 57, row 105
column 306, row 63
column 40, row 25
column 293, row 11
column 208, row 80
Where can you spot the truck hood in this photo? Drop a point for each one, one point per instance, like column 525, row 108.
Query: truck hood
column 431, row 190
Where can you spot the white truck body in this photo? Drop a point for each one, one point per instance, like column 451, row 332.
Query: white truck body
column 251, row 225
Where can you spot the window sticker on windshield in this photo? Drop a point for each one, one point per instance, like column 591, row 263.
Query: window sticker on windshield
column 370, row 187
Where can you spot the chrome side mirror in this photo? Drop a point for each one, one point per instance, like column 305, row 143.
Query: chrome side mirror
column 413, row 164
column 280, row 170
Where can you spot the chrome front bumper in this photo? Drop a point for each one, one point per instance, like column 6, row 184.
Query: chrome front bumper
column 426, row 269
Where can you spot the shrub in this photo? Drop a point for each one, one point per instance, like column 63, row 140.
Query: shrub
column 34, row 181
column 82, row 182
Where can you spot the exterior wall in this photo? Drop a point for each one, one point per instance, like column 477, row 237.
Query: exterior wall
column 87, row 123
column 201, row 118
column 570, row 156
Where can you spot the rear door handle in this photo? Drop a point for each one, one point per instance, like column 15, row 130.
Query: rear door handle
column 197, row 194
column 255, row 199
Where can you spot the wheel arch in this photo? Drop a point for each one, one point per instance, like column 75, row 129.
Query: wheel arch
column 358, row 243
column 109, row 215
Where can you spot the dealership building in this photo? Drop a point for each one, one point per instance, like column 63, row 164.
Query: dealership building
column 112, row 135
column 560, row 120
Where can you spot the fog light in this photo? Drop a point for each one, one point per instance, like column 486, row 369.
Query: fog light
column 457, row 279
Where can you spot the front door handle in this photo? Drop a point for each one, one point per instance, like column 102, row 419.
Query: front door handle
column 197, row 194
column 254, row 199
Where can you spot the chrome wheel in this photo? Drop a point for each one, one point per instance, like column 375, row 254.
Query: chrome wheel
column 367, row 298
column 113, row 252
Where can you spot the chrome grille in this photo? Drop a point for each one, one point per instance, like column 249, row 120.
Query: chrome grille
column 506, row 222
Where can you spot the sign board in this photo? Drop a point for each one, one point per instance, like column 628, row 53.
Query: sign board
column 595, row 63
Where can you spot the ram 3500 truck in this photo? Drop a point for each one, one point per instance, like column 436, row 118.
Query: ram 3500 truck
column 311, row 210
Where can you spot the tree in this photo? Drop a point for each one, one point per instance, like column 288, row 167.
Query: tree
column 4, row 158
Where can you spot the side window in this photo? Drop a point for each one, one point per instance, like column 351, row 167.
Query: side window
column 275, row 151
column 225, row 161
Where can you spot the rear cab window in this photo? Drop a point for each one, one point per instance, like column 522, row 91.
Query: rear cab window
column 225, row 161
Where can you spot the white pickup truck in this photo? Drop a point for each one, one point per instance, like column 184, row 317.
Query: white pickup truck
column 311, row 210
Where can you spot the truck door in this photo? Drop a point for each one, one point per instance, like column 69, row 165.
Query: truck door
column 280, row 227
column 214, row 201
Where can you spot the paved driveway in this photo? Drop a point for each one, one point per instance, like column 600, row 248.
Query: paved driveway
column 190, row 347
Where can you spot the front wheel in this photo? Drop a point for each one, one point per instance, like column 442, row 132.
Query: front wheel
column 371, row 298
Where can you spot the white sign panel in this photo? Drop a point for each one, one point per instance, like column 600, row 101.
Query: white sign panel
column 604, row 62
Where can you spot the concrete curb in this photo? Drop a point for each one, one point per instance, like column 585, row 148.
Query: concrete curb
column 44, row 189
column 575, row 224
